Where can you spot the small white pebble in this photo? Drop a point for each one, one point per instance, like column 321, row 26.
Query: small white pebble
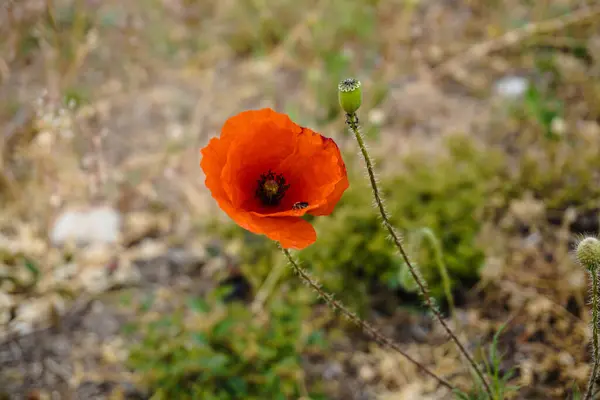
column 558, row 126
column 366, row 373
column 96, row 225
column 511, row 87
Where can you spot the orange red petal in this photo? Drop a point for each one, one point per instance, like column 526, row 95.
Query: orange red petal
column 254, row 142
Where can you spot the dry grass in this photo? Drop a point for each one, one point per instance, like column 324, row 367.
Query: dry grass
column 108, row 102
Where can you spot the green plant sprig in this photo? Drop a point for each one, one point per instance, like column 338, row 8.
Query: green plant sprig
column 374, row 333
column 350, row 99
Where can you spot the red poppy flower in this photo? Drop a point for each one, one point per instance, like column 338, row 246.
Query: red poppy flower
column 266, row 172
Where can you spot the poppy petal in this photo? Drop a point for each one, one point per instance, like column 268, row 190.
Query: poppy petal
column 269, row 145
column 315, row 171
column 214, row 157
column 333, row 198
column 290, row 232
column 239, row 124
column 253, row 143
column 287, row 212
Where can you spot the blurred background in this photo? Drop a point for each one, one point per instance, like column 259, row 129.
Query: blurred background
column 121, row 279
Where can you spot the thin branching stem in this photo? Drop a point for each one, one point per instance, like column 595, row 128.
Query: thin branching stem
column 352, row 121
column 592, row 381
column 374, row 333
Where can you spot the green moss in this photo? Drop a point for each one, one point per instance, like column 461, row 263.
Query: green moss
column 224, row 351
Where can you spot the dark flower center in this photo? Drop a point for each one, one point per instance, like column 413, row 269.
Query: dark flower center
column 271, row 188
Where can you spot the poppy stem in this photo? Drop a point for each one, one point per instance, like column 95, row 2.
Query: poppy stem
column 352, row 122
column 374, row 333
column 592, row 381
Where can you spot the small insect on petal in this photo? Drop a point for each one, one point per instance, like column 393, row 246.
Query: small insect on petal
column 299, row 205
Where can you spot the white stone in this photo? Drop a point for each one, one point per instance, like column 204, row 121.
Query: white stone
column 28, row 314
column 511, row 87
column 6, row 303
column 94, row 225
column 366, row 373
column 150, row 249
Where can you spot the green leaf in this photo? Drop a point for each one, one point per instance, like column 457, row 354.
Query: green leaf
column 200, row 339
column 129, row 328
column 198, row 305
column 147, row 302
column 222, row 328
column 31, row 267
column 216, row 364
column 316, row 338
column 238, row 386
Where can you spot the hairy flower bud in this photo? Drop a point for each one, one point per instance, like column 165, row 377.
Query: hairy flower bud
column 588, row 253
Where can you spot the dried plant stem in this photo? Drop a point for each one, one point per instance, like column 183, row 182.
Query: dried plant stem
column 374, row 333
column 515, row 37
column 590, row 388
column 352, row 122
column 99, row 175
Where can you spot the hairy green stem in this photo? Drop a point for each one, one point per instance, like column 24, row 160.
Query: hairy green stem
column 352, row 121
column 592, row 381
column 374, row 333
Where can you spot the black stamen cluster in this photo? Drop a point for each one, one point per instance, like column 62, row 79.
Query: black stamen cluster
column 269, row 199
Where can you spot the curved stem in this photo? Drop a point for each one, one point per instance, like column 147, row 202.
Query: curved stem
column 374, row 333
column 352, row 121
column 267, row 287
column 439, row 260
column 592, row 381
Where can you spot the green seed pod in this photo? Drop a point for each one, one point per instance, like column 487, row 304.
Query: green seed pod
column 350, row 95
column 588, row 253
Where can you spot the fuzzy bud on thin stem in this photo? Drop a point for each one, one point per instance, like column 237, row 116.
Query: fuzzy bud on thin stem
column 353, row 124
column 350, row 95
column 588, row 253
